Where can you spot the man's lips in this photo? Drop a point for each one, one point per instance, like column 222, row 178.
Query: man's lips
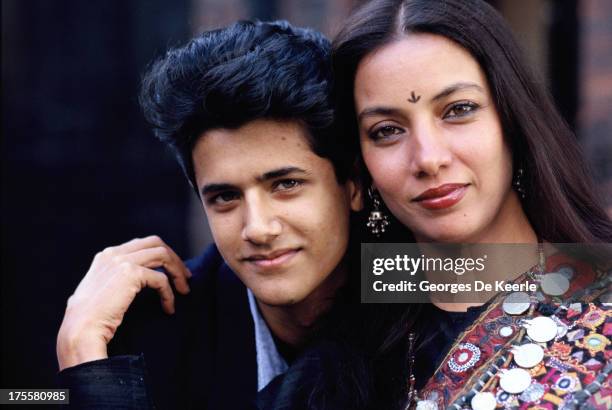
column 272, row 259
column 441, row 197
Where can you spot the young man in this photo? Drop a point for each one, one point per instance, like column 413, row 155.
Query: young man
column 249, row 113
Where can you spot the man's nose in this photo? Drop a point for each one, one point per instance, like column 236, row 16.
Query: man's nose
column 261, row 225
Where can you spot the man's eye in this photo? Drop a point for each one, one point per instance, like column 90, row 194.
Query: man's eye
column 223, row 198
column 462, row 109
column 385, row 131
column 286, row 184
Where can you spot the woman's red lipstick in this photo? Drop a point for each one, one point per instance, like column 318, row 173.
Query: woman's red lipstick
column 441, row 197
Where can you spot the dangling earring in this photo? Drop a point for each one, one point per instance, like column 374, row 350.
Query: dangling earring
column 517, row 183
column 377, row 221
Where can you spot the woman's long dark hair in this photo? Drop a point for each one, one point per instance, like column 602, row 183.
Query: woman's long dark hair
column 561, row 202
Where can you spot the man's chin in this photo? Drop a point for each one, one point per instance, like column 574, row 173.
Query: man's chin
column 277, row 301
column 277, row 297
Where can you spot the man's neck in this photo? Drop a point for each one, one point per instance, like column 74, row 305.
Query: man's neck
column 294, row 324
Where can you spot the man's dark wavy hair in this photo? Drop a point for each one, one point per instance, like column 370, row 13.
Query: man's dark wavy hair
column 247, row 71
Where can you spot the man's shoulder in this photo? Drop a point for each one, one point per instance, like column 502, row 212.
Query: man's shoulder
column 208, row 341
column 208, row 261
column 211, row 274
column 212, row 281
column 194, row 330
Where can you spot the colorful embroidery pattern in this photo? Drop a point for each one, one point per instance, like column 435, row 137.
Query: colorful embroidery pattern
column 572, row 360
column 465, row 357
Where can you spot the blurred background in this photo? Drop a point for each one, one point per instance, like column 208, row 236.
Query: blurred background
column 81, row 171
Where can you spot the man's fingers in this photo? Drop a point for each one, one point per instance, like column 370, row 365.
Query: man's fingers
column 151, row 252
column 159, row 282
column 135, row 245
column 162, row 256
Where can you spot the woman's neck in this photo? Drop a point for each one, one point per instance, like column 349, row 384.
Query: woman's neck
column 510, row 226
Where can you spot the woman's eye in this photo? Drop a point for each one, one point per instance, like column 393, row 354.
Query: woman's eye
column 223, row 198
column 460, row 110
column 286, row 184
column 384, row 132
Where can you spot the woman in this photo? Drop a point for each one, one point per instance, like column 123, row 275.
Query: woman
column 463, row 145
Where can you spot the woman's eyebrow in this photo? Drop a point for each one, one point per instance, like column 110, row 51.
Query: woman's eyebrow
column 378, row 111
column 390, row 111
column 456, row 87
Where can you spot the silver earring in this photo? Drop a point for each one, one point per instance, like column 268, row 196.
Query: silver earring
column 377, row 221
column 517, row 183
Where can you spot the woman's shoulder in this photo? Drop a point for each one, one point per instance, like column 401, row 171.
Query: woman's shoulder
column 555, row 350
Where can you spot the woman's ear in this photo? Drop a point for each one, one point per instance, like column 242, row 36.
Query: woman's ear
column 355, row 186
column 355, row 192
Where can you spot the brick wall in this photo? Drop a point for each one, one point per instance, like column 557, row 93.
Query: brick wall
column 595, row 81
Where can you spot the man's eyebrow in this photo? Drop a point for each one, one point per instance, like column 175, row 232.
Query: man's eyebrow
column 211, row 188
column 275, row 173
column 280, row 172
column 376, row 111
column 456, row 87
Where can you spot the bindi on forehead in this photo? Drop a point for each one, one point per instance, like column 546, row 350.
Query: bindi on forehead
column 414, row 98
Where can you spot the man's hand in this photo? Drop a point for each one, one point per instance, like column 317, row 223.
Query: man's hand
column 117, row 274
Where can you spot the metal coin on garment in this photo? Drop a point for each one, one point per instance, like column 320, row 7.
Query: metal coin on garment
column 541, row 329
column 483, row 401
column 515, row 380
column 567, row 271
column 516, row 303
column 426, row 405
column 528, row 355
column 506, row 331
column 554, row 284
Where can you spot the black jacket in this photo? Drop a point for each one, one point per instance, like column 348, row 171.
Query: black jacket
column 201, row 357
